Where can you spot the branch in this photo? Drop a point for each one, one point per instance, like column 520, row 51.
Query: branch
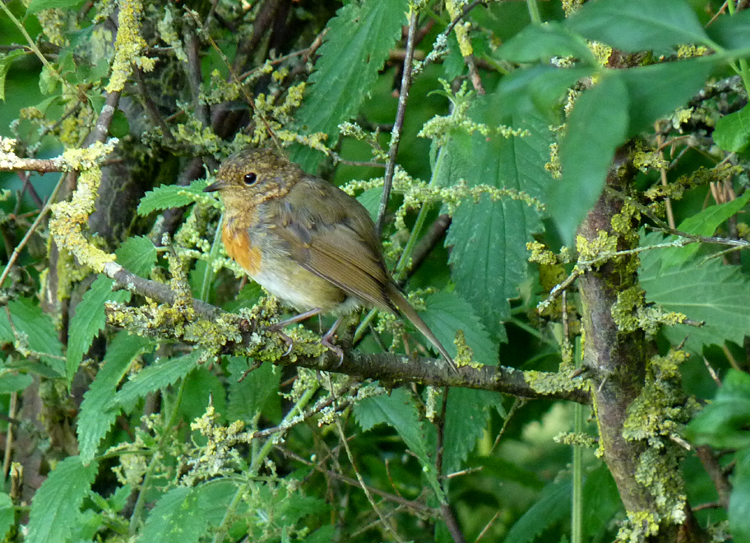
column 387, row 367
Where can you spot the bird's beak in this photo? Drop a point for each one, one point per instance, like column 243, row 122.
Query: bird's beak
column 213, row 188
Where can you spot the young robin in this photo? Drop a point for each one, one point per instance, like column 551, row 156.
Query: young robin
column 306, row 241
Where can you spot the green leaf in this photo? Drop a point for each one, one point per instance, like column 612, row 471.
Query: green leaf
column 326, row 534
column 138, row 255
column 371, row 200
column 489, row 256
column 96, row 415
column 169, row 196
column 739, row 500
column 731, row 32
column 5, row 61
column 597, row 126
column 357, row 44
column 248, row 397
column 155, row 377
column 176, row 518
column 466, row 418
column 725, row 421
column 54, row 511
column 399, row 411
column 39, row 5
column 732, row 132
column 89, row 319
column 552, row 506
column 602, row 501
column 639, row 25
column 542, row 42
column 657, row 90
column 37, row 331
column 704, row 291
column 447, row 312
column 13, row 382
column 7, row 514
column 704, row 223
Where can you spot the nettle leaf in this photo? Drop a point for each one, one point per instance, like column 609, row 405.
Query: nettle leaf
column 11, row 381
column 656, row 90
column 465, row 421
column 39, row 5
column 731, row 32
column 639, row 25
column 447, row 312
column 248, row 397
column 357, row 44
column 704, row 291
column 542, row 42
column 138, row 255
column 176, row 518
column 96, row 415
column 5, row 61
column 7, row 514
column 552, row 506
column 155, row 377
column 488, row 238
column 704, row 223
column 169, row 196
column 724, row 422
column 54, row 511
column 739, row 500
column 399, row 411
column 38, row 332
column 732, row 131
column 597, row 126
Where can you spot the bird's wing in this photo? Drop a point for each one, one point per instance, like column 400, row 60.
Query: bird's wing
column 333, row 238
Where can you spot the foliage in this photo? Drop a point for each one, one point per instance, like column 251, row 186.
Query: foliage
column 148, row 394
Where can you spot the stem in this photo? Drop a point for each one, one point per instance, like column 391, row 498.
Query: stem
column 256, row 463
column 208, row 274
column 536, row 18
column 140, row 504
column 577, row 498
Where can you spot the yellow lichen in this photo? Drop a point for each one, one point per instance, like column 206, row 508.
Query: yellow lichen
column 128, row 45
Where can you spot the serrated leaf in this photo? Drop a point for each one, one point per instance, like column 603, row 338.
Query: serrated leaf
column 542, row 42
column 639, row 25
column 465, row 421
column 155, row 377
column 447, row 312
column 54, row 511
column 732, row 132
column 138, row 255
column 724, row 422
column 176, row 518
column 602, row 501
column 399, row 411
column 488, row 238
column 169, row 196
column 249, row 396
column 659, row 89
column 39, row 5
column 96, row 415
column 5, row 61
column 704, row 223
column 38, row 329
column 704, row 291
column 371, row 200
column 7, row 514
column 739, row 500
column 357, row 44
column 552, row 506
column 13, row 382
column 597, row 126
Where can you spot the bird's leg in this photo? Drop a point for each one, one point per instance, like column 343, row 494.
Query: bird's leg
column 293, row 320
column 326, row 340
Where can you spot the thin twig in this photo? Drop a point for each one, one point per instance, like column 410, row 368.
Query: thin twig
column 31, row 230
column 403, row 96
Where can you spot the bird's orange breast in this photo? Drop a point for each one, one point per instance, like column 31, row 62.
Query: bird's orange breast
column 240, row 247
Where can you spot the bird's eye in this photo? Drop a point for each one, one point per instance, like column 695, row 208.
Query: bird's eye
column 250, row 179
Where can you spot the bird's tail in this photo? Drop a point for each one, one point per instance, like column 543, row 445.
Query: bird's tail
column 408, row 311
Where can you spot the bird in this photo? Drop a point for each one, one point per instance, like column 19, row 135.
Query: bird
column 306, row 241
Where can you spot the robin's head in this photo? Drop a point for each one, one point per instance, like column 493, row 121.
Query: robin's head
column 252, row 176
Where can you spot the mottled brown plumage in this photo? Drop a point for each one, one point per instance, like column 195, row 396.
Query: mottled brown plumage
column 305, row 240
